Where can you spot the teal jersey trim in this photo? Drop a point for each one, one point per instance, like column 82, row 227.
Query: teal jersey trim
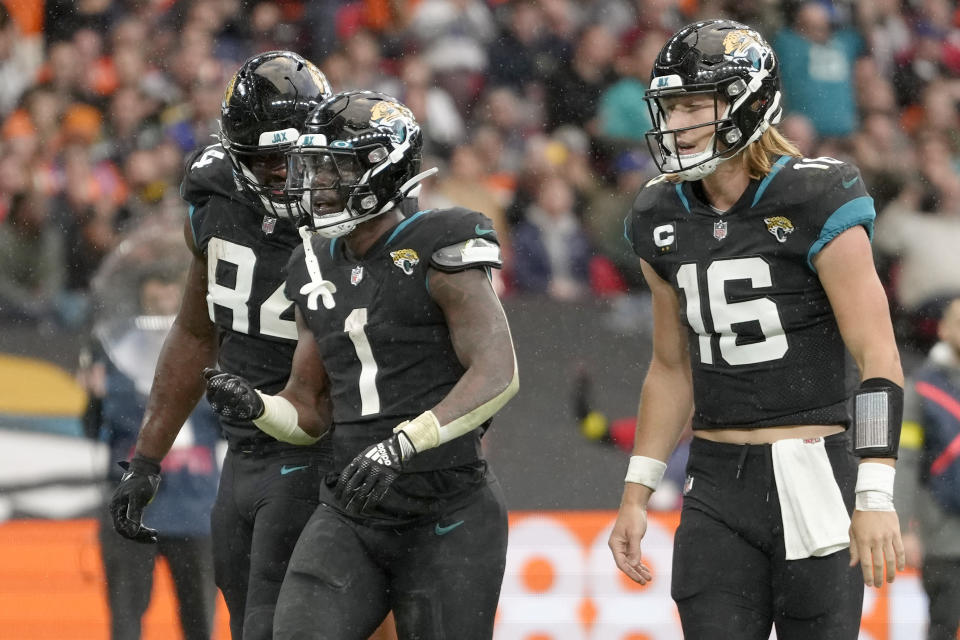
column 858, row 211
column 193, row 232
column 774, row 170
column 402, row 225
column 333, row 241
column 683, row 198
column 626, row 236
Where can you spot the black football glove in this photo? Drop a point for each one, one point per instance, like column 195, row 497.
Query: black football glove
column 136, row 490
column 232, row 396
column 366, row 480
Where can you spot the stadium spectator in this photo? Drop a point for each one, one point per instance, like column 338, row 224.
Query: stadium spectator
column 551, row 251
column 918, row 232
column 454, row 35
column 20, row 59
column 525, row 53
column 120, row 377
column 928, row 476
column 603, row 215
column 574, row 90
column 817, row 64
column 624, row 117
column 32, row 265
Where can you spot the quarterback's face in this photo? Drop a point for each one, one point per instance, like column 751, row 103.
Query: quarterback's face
column 694, row 115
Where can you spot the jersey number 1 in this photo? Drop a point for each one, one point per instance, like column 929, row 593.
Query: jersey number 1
column 759, row 311
column 369, row 396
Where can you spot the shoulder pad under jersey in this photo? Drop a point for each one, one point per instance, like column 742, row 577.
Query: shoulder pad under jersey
column 208, row 172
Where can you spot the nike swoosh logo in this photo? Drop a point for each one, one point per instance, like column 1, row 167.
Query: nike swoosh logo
column 441, row 531
column 284, row 470
column 482, row 232
column 849, row 183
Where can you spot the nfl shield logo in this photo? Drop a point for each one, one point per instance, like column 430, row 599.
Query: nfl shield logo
column 688, row 485
column 720, row 229
column 269, row 222
column 356, row 275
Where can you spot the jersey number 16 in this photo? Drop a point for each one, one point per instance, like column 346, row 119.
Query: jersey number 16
column 758, row 311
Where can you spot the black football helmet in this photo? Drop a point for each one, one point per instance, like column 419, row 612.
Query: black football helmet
column 262, row 115
column 358, row 157
column 734, row 64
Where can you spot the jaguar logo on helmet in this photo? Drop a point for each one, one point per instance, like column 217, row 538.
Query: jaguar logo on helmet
column 405, row 259
column 780, row 227
column 230, row 86
column 394, row 117
column 743, row 43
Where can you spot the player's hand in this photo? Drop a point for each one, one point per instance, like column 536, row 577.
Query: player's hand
column 365, row 481
column 136, row 490
column 874, row 542
column 624, row 543
column 232, row 396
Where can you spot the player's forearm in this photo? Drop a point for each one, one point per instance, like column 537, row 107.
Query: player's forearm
column 882, row 363
column 177, row 386
column 479, row 385
column 314, row 410
column 484, row 388
column 666, row 405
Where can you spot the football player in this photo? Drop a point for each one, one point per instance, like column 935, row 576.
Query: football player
column 234, row 312
column 401, row 329
column 761, row 272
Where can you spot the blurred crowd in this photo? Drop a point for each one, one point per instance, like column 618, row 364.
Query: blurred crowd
column 532, row 109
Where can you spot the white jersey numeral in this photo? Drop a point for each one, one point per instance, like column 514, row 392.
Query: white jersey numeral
column 725, row 314
column 207, row 157
column 369, row 396
column 237, row 298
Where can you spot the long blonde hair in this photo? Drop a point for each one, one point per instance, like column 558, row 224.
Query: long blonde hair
column 757, row 157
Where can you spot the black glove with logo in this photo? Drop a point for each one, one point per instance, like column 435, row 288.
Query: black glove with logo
column 232, row 396
column 366, row 480
column 136, row 490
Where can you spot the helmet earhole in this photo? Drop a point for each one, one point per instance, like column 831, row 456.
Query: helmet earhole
column 368, row 202
column 377, row 155
column 736, row 87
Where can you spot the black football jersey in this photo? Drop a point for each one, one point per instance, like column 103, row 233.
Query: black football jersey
column 385, row 342
column 246, row 251
column 764, row 344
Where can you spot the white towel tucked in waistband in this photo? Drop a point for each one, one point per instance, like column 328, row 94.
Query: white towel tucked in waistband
column 815, row 520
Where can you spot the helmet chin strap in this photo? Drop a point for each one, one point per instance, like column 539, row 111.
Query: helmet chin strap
column 411, row 185
column 317, row 287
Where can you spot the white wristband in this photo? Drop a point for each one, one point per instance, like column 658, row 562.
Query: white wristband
column 645, row 471
column 875, row 487
column 280, row 420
